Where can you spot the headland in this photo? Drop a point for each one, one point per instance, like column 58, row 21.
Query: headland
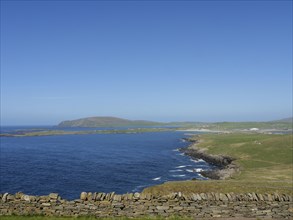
column 254, row 180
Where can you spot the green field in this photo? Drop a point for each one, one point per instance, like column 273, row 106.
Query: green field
column 285, row 124
column 265, row 163
column 247, row 125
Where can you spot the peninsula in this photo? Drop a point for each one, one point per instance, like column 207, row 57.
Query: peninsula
column 106, row 122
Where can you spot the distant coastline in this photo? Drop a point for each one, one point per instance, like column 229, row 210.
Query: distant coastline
column 99, row 121
column 35, row 132
column 112, row 125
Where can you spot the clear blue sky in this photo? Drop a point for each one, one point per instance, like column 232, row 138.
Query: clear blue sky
column 154, row 60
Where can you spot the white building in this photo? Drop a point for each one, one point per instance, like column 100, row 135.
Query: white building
column 254, row 129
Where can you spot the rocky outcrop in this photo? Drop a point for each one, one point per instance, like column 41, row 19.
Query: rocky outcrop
column 196, row 153
column 221, row 174
column 250, row 205
column 226, row 167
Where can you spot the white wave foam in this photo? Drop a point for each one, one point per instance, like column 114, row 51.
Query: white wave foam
column 157, row 178
column 178, row 170
column 190, row 171
column 182, row 154
column 198, row 170
column 182, row 166
column 176, row 150
column 179, row 175
column 196, row 161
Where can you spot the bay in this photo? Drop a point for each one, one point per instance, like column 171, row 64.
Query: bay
column 70, row 164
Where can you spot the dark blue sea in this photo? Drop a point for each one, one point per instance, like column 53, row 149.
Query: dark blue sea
column 70, row 164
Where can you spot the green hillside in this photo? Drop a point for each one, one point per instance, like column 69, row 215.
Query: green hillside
column 286, row 120
column 106, row 122
column 265, row 163
column 283, row 124
column 248, row 125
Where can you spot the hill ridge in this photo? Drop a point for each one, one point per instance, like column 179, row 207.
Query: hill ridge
column 111, row 121
column 105, row 121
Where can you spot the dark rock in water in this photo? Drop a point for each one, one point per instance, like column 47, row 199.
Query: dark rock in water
column 211, row 174
column 218, row 160
column 191, row 140
column 222, row 173
column 226, row 167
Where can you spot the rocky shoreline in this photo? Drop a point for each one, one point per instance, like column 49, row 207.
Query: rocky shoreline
column 226, row 166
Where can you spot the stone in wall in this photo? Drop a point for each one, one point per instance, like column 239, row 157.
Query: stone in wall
column 199, row 205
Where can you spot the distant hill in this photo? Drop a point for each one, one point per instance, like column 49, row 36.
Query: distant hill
column 288, row 120
column 120, row 122
column 106, row 122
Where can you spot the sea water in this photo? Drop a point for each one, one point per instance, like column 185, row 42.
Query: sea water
column 70, row 164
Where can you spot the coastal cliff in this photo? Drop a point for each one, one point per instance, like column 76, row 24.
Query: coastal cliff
column 226, row 167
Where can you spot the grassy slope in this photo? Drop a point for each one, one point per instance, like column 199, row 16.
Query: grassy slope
column 265, row 161
column 248, row 125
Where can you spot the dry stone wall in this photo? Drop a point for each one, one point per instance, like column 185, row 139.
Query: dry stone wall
column 136, row 204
